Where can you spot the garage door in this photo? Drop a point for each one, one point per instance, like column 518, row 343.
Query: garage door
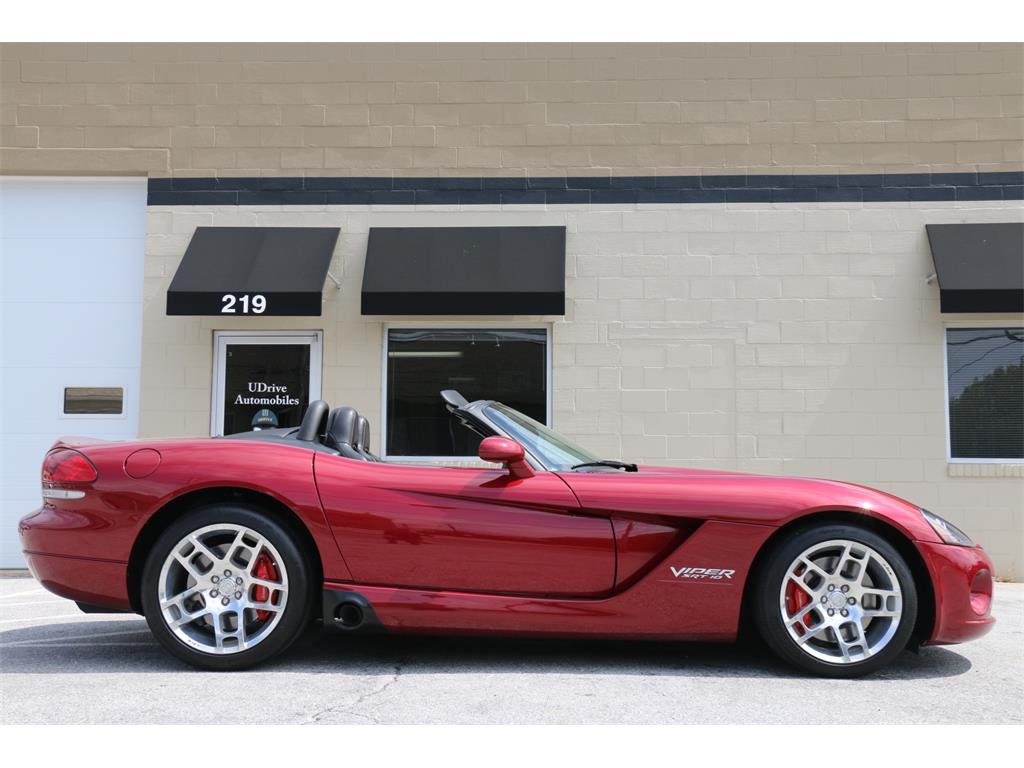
column 71, row 272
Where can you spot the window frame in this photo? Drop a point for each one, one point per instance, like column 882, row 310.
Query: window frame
column 125, row 394
column 221, row 338
column 961, row 326
column 452, row 325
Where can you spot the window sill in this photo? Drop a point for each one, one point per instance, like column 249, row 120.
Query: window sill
column 984, row 469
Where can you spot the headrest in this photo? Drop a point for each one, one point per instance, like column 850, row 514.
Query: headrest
column 363, row 434
column 313, row 422
column 341, row 427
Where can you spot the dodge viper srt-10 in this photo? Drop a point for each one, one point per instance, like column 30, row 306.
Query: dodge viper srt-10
column 231, row 546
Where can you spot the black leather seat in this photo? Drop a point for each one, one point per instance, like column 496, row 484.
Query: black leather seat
column 342, row 432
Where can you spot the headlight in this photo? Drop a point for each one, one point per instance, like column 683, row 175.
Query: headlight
column 948, row 532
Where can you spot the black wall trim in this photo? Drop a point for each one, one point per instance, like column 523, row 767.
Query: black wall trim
column 555, row 190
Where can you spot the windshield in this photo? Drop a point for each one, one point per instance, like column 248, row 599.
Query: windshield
column 553, row 450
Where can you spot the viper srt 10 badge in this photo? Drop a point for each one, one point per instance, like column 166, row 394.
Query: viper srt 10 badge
column 702, row 574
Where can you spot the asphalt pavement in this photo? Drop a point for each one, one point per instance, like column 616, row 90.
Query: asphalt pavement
column 58, row 665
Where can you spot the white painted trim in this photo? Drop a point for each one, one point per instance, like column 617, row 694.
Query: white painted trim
column 222, row 338
column 456, row 325
column 949, row 325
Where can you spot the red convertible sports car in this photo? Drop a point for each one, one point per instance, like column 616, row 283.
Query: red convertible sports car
column 231, row 546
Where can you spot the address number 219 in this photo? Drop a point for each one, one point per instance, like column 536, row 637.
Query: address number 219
column 255, row 305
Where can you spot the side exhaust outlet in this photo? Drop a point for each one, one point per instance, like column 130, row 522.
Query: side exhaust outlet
column 348, row 615
column 349, row 612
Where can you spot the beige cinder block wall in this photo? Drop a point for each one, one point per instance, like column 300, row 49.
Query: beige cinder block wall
column 793, row 338
column 509, row 109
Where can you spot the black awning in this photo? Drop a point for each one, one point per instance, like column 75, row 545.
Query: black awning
column 980, row 267
column 227, row 269
column 465, row 271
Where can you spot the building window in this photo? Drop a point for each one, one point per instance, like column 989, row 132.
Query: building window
column 504, row 364
column 105, row 401
column 985, row 381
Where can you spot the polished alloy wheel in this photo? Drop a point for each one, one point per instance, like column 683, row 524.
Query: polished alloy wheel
column 223, row 588
column 841, row 601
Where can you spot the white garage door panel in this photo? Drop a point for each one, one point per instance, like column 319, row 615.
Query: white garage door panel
column 24, row 448
column 72, row 335
column 73, row 208
column 21, row 487
column 58, row 269
column 71, row 316
column 45, row 401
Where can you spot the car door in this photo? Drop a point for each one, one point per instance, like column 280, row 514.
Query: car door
column 470, row 530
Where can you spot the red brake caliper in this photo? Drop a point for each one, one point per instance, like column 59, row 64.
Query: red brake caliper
column 264, row 569
column 796, row 599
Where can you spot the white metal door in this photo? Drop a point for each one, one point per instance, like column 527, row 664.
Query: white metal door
column 71, row 276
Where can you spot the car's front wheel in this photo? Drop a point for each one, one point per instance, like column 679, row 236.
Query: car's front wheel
column 836, row 600
column 226, row 587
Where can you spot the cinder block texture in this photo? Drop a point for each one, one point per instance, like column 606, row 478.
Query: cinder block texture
column 509, row 110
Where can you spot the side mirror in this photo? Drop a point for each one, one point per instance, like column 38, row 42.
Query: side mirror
column 508, row 452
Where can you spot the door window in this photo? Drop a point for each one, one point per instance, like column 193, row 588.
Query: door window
column 264, row 382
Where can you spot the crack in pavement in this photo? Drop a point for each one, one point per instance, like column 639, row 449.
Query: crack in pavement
column 391, row 679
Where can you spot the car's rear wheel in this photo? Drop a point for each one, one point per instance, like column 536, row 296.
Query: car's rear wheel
column 226, row 587
column 836, row 600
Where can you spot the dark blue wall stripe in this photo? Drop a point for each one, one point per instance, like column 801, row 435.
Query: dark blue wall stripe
column 554, row 190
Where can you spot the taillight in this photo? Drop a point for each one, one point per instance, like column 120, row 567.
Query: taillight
column 67, row 466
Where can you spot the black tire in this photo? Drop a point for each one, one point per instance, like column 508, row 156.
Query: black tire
column 297, row 609
column 767, row 596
